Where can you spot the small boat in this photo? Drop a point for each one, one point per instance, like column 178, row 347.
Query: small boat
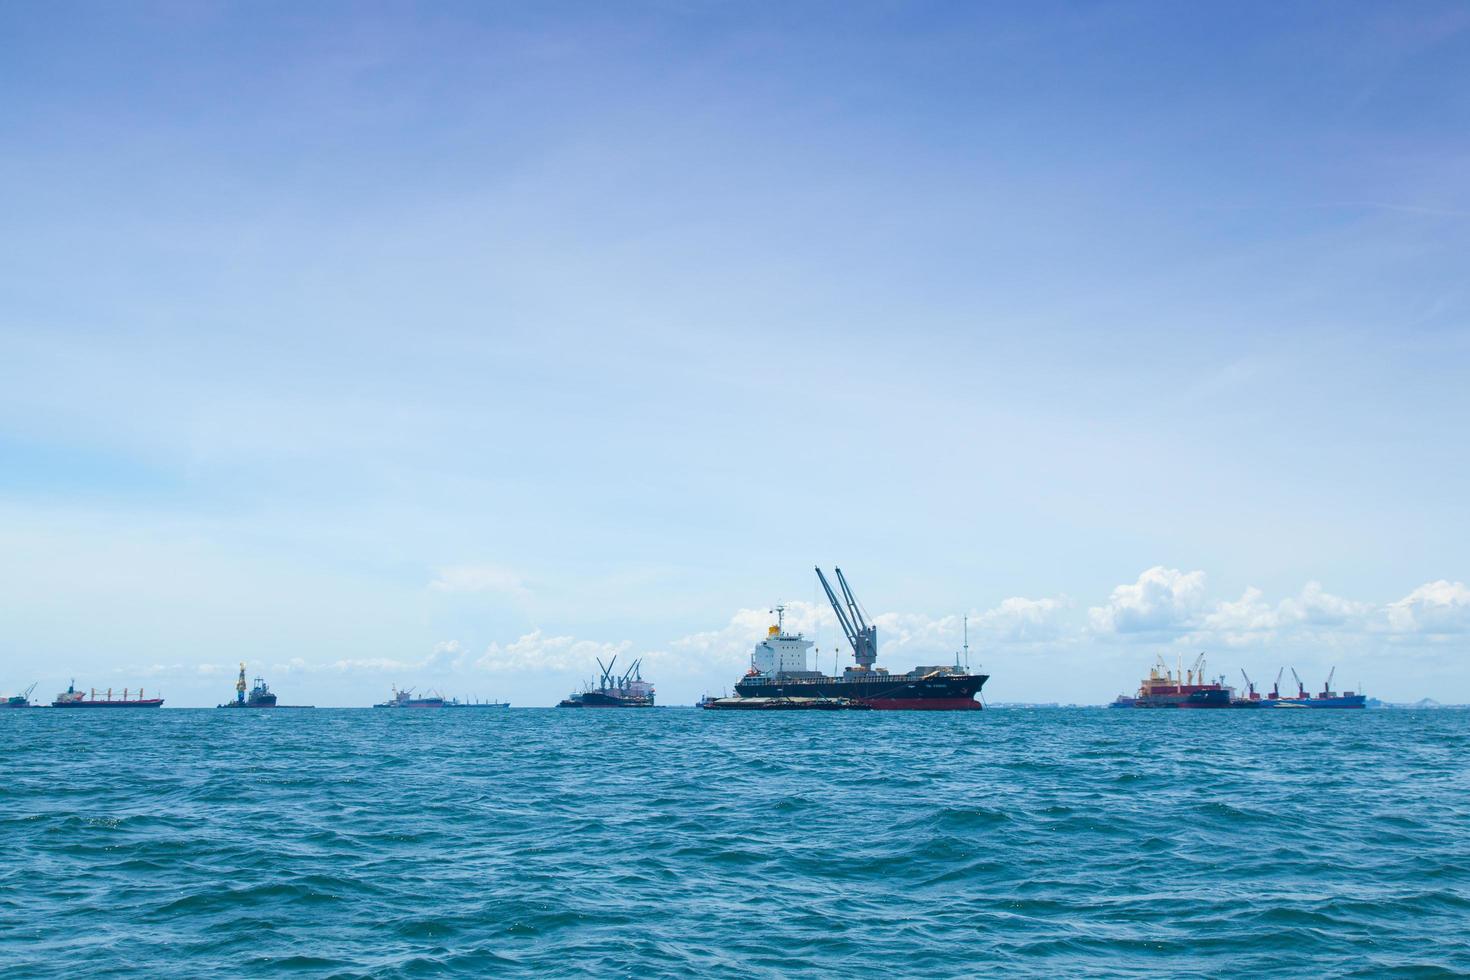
column 19, row 700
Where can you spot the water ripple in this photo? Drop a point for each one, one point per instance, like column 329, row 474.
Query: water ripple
column 678, row 842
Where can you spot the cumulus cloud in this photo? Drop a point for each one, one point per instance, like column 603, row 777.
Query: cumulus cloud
column 1434, row 608
column 493, row 579
column 1021, row 620
column 1162, row 600
column 535, row 651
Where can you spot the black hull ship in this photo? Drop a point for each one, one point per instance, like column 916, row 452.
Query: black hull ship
column 629, row 690
column 260, row 695
column 778, row 669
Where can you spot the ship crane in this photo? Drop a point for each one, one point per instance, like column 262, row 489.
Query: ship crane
column 861, row 635
column 605, row 681
column 1327, row 688
column 1249, row 684
column 1276, row 687
column 1301, row 689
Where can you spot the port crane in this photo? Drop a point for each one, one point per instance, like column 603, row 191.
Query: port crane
column 1301, row 689
column 861, row 635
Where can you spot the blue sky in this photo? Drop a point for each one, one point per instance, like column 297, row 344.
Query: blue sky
column 453, row 345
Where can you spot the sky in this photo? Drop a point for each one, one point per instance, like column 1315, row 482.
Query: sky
column 455, row 345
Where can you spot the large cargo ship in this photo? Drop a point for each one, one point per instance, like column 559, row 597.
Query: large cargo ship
column 72, row 698
column 1326, row 698
column 778, row 668
column 628, row 690
column 1163, row 688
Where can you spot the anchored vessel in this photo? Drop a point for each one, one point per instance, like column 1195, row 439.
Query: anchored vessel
column 1163, row 688
column 19, row 700
column 260, row 695
column 72, row 698
column 457, row 703
column 1326, row 698
column 628, row 690
column 405, row 699
column 778, row 668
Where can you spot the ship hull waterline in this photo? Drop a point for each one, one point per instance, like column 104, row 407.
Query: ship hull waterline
column 935, row 694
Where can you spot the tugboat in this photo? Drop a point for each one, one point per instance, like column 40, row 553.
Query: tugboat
column 1163, row 688
column 778, row 668
column 19, row 700
column 629, row 690
column 405, row 699
column 260, row 695
column 72, row 698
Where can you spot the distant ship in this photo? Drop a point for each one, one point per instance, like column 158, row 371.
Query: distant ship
column 405, row 699
column 457, row 703
column 72, row 698
column 19, row 700
column 1163, row 688
column 260, row 695
column 778, row 668
column 1326, row 698
column 629, row 690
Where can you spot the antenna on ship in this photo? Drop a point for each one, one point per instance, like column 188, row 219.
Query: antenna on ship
column 967, row 644
column 780, row 612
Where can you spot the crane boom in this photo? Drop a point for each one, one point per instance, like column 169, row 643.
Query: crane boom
column 1327, row 688
column 1248, row 685
column 862, row 636
column 1301, row 689
column 852, row 604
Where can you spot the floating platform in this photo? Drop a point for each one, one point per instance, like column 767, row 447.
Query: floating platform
column 784, row 704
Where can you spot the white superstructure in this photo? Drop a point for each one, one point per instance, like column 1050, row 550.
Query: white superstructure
column 780, row 652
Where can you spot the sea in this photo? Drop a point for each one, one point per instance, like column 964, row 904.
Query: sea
column 675, row 842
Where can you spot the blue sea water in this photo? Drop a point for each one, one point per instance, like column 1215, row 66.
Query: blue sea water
column 676, row 842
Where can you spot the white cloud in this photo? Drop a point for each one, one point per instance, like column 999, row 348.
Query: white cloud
column 493, row 579
column 535, row 651
column 1316, row 607
column 1162, row 600
column 1021, row 620
column 1435, row 608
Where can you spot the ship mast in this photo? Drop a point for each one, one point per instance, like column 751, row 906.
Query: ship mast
column 240, row 685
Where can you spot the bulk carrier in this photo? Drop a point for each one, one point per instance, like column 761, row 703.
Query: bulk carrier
column 72, row 698
column 629, row 690
column 1163, row 688
column 778, row 669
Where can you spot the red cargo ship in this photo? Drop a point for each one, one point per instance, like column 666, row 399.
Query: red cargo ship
column 72, row 698
column 1163, row 688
